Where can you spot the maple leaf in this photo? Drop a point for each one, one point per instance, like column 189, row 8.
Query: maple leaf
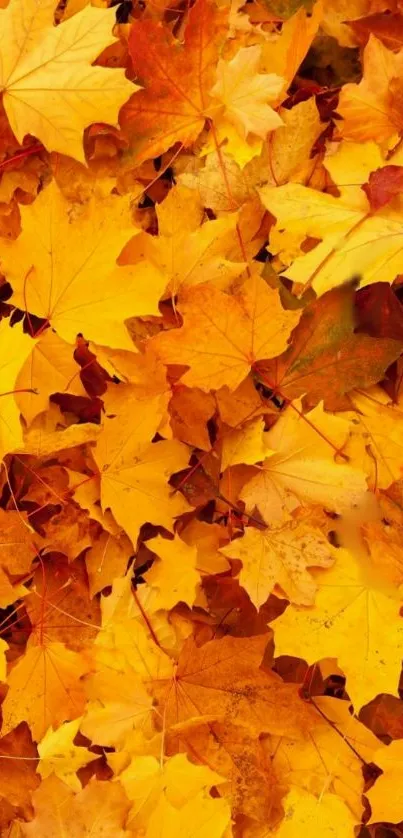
column 389, row 760
column 301, row 467
column 185, row 256
column 98, row 810
column 174, row 573
column 243, row 445
column 370, row 109
column 223, row 336
column 44, row 689
column 191, row 433
column 375, row 443
column 106, row 560
column 312, row 814
column 176, row 78
column 221, row 680
column 200, row 817
column 354, row 241
column 179, row 781
column 383, row 185
column 50, row 368
column 126, row 641
column 117, row 703
column 242, row 760
column 325, row 630
column 15, row 347
column 287, row 154
column 387, row 28
column 50, row 88
column 135, row 472
column 308, row 762
column 16, row 548
column 328, row 356
column 285, row 55
column 63, row 268
column 245, row 93
column 60, row 756
column 280, row 557
column 58, row 605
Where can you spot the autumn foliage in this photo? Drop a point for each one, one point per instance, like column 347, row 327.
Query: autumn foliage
column 201, row 419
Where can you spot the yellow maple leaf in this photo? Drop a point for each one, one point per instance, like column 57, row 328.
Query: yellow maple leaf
column 180, row 780
column 50, row 368
column 125, row 640
column 222, row 335
column 60, row 756
column 63, row 268
column 385, row 806
column 369, row 109
column 117, row 702
column 207, row 538
column 244, row 445
column 15, row 348
column 50, row 88
column 280, row 557
column 376, row 442
column 98, row 810
column 354, row 240
column 285, row 55
column 347, row 605
column 3, row 659
column 187, row 257
column 303, row 467
column 107, row 560
column 222, row 680
column 44, row 689
column 328, row 755
column 174, row 573
column 245, row 93
column 326, row 816
column 251, row 784
column 176, row 77
column 135, row 472
column 286, row 157
column 201, row 817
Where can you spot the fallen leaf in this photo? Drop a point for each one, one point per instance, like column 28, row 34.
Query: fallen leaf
column 44, row 689
column 59, row 755
column 66, row 274
column 280, row 557
column 176, row 80
column 99, row 809
column 41, row 58
column 372, row 666
column 223, row 336
column 368, row 108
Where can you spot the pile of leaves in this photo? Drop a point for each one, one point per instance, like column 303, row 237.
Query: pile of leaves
column 201, row 419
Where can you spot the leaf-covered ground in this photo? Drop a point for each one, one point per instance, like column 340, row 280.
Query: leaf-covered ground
column 201, row 419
